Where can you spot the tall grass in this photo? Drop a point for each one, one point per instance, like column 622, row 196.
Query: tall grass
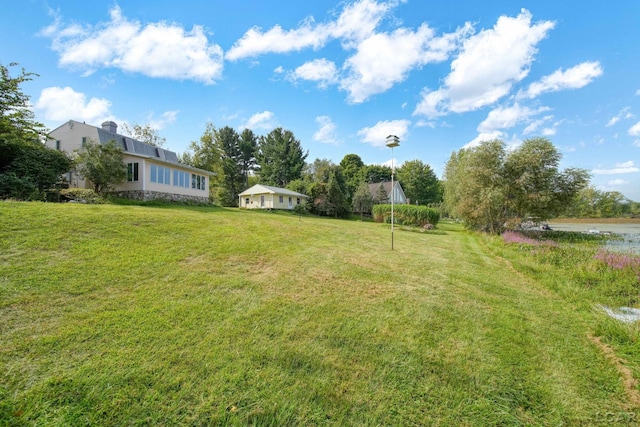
column 139, row 315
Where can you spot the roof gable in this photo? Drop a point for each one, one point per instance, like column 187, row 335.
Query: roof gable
column 267, row 189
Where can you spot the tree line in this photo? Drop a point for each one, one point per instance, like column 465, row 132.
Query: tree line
column 241, row 159
column 488, row 186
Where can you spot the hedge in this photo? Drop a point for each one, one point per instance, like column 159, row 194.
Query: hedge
column 406, row 215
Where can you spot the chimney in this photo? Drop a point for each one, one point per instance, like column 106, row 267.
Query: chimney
column 110, row 126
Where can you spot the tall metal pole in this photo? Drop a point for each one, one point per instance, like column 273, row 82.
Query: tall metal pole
column 392, row 197
column 392, row 141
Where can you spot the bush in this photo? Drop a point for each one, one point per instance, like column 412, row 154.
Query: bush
column 81, row 195
column 418, row 216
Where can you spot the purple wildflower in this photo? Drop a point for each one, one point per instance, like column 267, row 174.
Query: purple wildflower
column 514, row 237
column 619, row 261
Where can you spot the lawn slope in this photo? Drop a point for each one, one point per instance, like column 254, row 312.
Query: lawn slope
column 117, row 315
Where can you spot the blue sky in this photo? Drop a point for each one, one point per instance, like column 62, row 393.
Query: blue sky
column 342, row 75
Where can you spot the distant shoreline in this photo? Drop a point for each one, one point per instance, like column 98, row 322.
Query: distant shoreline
column 594, row 221
column 613, row 225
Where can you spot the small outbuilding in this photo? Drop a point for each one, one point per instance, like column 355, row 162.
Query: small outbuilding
column 266, row 197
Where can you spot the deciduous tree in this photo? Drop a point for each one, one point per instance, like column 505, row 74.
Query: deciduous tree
column 419, row 182
column 486, row 186
column 145, row 133
column 27, row 166
column 102, row 165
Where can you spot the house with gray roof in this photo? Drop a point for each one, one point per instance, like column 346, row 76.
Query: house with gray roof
column 399, row 198
column 266, row 197
column 152, row 172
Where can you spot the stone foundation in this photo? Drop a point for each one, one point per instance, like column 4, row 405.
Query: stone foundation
column 156, row 195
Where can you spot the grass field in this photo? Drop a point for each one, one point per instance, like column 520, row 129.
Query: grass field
column 132, row 315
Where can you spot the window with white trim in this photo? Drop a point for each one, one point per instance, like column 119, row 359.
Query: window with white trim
column 132, row 172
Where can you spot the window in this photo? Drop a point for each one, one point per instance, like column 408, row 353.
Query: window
column 132, row 172
column 246, row 201
column 84, row 141
column 281, row 199
column 290, row 201
column 181, row 178
column 58, row 145
column 198, row 182
column 160, row 174
column 298, row 200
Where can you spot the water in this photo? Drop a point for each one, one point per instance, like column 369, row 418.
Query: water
column 627, row 236
column 629, row 243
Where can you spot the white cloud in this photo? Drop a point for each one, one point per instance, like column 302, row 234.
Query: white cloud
column 620, row 168
column 617, row 182
column 356, row 22
column 384, row 59
column 625, row 113
column 635, row 130
column 376, row 135
column 488, row 66
column 485, row 136
column 265, row 120
column 60, row 104
column 573, row 78
column 536, row 124
column 636, row 143
column 320, row 70
column 165, row 119
column 507, row 117
column 380, row 61
column 426, row 123
column 156, row 49
column 327, row 131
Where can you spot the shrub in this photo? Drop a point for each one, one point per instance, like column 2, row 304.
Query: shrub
column 81, row 195
column 418, row 216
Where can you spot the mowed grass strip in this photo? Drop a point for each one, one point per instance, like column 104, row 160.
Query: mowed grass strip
column 113, row 315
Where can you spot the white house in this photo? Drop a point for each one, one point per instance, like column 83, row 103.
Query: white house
column 153, row 172
column 266, row 197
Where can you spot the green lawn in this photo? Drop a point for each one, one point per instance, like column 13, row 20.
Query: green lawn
column 131, row 315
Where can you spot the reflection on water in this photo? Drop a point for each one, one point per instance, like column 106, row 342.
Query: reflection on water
column 626, row 236
column 624, row 243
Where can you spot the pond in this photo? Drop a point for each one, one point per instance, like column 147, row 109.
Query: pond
column 627, row 236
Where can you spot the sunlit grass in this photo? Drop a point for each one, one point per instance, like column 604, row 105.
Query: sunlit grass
column 118, row 315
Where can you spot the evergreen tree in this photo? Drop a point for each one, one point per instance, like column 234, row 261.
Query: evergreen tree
column 230, row 185
column 362, row 201
column 280, row 157
column 248, row 151
column 352, row 169
column 381, row 197
column 336, row 200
